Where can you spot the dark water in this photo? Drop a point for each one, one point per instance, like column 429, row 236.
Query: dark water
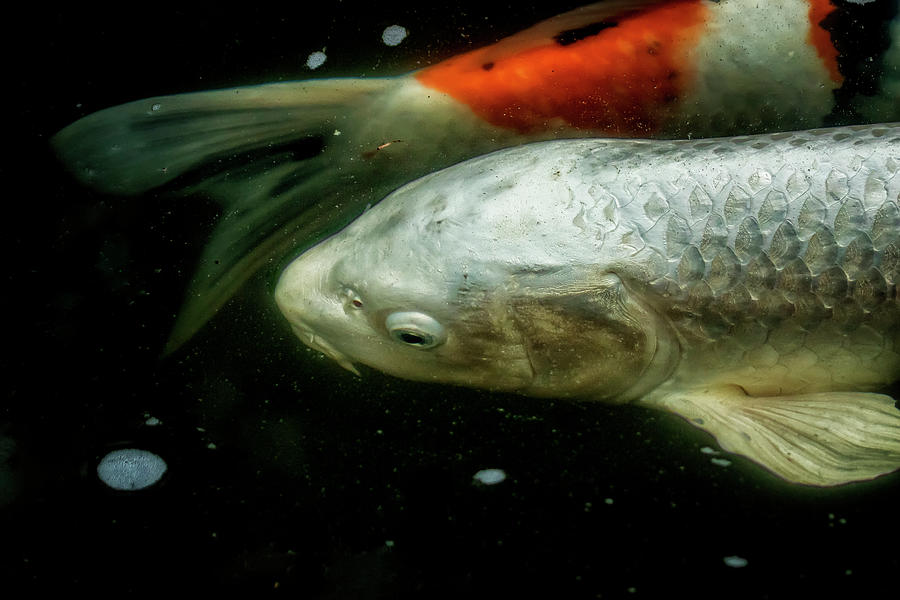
column 285, row 472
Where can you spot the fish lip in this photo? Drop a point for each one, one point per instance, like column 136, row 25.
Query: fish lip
column 316, row 342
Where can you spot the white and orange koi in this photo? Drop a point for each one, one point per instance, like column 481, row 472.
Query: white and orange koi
column 291, row 162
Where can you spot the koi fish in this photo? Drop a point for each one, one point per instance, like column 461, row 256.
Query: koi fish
column 293, row 162
column 748, row 284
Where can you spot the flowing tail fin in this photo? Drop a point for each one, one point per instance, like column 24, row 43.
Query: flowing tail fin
column 288, row 162
column 141, row 145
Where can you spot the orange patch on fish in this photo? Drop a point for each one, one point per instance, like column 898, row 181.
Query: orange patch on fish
column 820, row 39
column 620, row 76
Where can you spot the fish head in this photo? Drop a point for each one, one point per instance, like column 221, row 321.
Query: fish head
column 430, row 285
column 359, row 303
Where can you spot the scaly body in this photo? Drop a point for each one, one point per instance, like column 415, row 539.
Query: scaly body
column 749, row 284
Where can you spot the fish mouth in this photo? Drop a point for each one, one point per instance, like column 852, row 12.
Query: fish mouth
column 308, row 337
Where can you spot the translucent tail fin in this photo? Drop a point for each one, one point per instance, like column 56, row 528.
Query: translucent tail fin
column 288, row 162
column 134, row 147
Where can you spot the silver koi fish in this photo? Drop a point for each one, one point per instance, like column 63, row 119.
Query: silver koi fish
column 748, row 284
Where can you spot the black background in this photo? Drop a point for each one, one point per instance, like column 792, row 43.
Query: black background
column 321, row 484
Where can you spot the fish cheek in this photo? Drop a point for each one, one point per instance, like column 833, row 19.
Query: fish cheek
column 585, row 343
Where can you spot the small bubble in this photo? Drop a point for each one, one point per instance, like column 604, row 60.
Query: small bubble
column 393, row 35
column 490, row 476
column 155, row 107
column 735, row 561
column 316, row 60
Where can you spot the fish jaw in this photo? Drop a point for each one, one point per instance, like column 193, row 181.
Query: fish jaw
column 309, row 337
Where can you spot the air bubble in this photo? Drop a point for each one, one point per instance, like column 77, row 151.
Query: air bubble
column 735, row 562
column 131, row 469
column 490, row 476
column 316, row 60
column 393, row 35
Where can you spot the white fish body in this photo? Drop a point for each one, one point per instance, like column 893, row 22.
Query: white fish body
column 747, row 284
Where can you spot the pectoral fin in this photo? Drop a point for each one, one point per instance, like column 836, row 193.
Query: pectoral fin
column 822, row 439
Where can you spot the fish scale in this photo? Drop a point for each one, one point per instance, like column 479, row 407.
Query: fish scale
column 825, row 270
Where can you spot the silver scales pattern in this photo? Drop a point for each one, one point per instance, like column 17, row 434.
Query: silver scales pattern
column 773, row 259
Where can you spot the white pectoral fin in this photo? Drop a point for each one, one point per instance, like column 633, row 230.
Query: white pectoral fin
column 822, row 439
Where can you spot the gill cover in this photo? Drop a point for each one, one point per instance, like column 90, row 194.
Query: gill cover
column 591, row 338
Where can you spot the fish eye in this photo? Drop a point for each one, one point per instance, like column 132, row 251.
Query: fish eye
column 415, row 329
